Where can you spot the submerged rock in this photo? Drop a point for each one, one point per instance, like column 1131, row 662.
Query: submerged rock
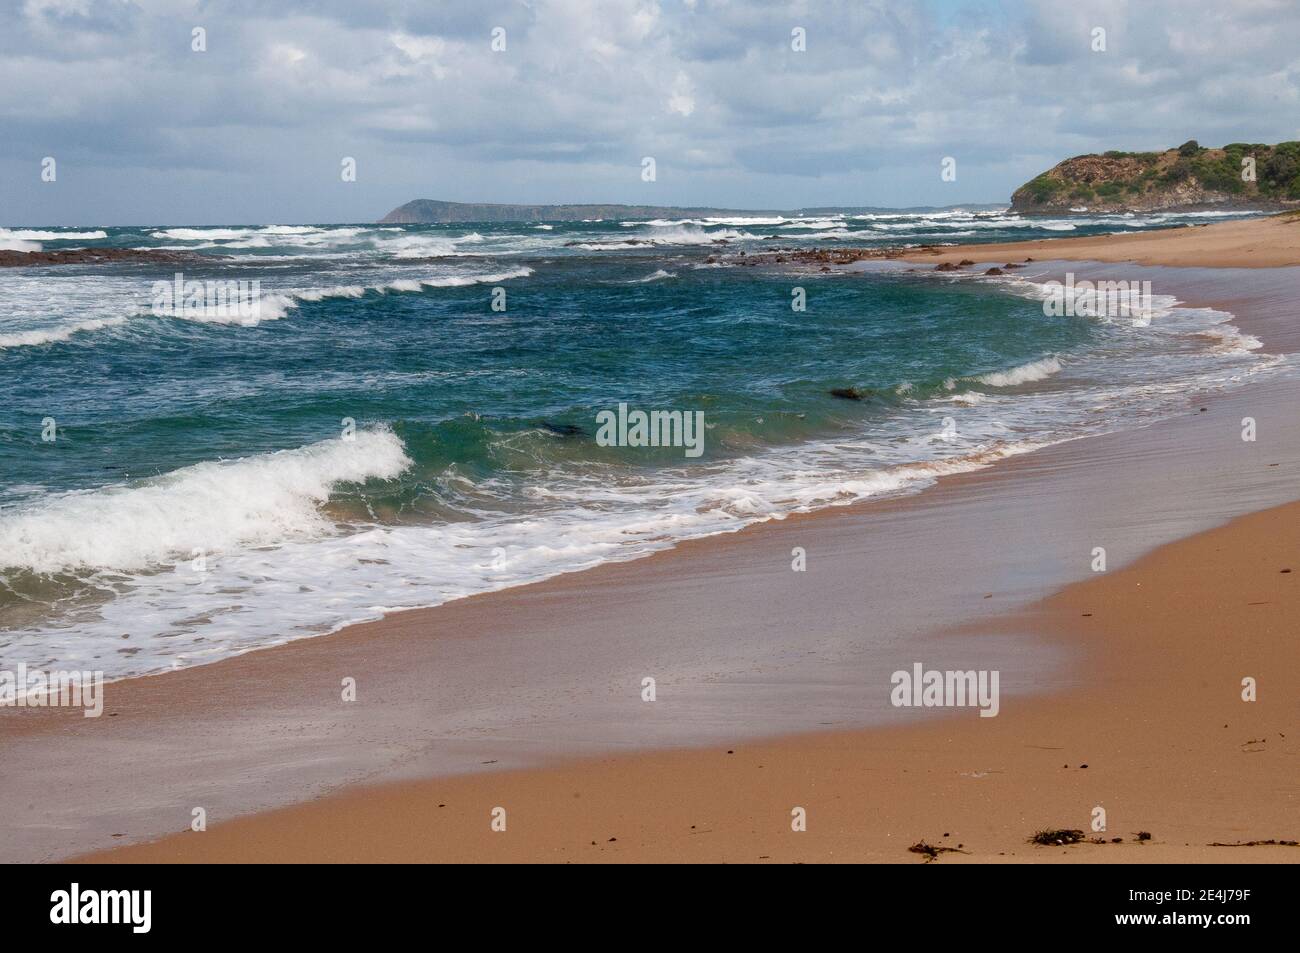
column 564, row 430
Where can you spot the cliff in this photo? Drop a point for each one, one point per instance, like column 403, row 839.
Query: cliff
column 1188, row 178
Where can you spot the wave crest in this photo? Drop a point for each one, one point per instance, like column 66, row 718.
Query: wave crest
column 211, row 506
column 1024, row 374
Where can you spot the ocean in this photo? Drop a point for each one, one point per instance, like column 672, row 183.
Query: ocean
column 412, row 414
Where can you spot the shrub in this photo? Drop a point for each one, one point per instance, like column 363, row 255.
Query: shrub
column 1281, row 167
column 1180, row 170
column 1219, row 174
column 1043, row 188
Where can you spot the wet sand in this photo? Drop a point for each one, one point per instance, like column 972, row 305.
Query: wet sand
column 1157, row 735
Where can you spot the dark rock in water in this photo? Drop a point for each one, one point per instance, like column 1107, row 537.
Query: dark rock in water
column 847, row 393
column 564, row 430
column 965, row 263
column 947, row 266
column 622, row 241
column 1011, row 264
column 995, row 271
column 95, row 256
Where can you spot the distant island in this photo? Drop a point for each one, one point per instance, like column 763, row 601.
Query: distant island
column 1188, row 178
column 430, row 211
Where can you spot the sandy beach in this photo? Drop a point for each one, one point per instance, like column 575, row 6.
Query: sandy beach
column 1157, row 735
column 1254, row 243
column 1121, row 690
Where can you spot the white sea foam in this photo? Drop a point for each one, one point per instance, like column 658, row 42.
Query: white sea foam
column 212, row 507
column 460, row 281
column 38, row 235
column 836, row 233
column 248, row 314
column 669, row 235
column 202, row 234
column 658, row 275
column 1024, row 374
column 59, row 333
column 274, row 306
column 423, row 246
column 704, row 222
column 823, row 224
column 409, row 285
column 1232, row 340
column 320, row 239
column 92, row 300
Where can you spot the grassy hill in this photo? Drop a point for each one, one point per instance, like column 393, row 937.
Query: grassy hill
column 1186, row 178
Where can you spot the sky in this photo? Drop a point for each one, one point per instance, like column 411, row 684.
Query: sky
column 144, row 128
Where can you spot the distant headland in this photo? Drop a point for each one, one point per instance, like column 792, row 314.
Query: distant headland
column 1191, row 177
column 430, row 211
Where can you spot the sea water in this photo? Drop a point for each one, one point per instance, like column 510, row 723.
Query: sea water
column 411, row 413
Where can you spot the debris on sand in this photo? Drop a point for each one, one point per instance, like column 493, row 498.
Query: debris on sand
column 1054, row 838
column 931, row 852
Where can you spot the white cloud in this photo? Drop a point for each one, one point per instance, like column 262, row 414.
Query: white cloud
column 682, row 98
column 587, row 87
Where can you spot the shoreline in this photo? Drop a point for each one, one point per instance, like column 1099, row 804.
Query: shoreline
column 1250, row 243
column 198, row 703
column 1178, row 756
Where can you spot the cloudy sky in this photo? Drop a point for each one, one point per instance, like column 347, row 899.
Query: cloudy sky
column 254, row 129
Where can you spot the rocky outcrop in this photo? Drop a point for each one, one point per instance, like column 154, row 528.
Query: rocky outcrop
column 95, row 256
column 1191, row 177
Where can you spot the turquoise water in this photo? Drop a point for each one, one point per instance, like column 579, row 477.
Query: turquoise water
column 378, row 435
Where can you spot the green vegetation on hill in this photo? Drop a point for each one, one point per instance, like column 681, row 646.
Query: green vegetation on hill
column 1188, row 176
